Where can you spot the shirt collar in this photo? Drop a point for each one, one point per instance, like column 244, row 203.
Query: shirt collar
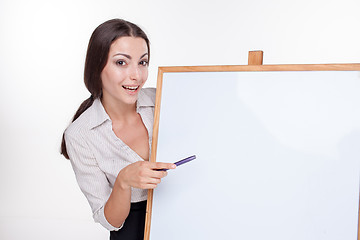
column 144, row 100
column 100, row 115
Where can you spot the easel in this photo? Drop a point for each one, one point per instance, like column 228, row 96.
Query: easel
column 255, row 63
column 255, row 58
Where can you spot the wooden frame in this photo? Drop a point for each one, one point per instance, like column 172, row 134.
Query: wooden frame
column 255, row 60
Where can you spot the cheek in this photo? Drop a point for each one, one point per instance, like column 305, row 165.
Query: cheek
column 107, row 81
column 104, row 74
column 145, row 74
column 110, row 77
column 104, row 80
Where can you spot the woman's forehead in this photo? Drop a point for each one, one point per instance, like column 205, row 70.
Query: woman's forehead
column 129, row 45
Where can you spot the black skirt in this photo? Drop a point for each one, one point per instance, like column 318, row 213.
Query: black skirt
column 134, row 225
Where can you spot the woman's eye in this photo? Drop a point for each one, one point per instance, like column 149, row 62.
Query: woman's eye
column 144, row 63
column 120, row 62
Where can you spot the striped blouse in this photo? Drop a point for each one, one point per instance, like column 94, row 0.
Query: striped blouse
column 97, row 155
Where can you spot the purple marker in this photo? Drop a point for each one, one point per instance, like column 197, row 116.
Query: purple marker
column 178, row 163
column 185, row 160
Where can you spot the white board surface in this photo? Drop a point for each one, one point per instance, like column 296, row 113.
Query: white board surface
column 277, row 156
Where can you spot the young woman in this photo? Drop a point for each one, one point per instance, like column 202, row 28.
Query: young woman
column 109, row 139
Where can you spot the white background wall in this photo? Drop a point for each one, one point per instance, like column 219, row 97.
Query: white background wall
column 42, row 51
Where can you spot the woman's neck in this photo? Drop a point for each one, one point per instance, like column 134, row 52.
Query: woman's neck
column 119, row 111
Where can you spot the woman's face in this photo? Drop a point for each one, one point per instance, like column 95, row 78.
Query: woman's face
column 126, row 70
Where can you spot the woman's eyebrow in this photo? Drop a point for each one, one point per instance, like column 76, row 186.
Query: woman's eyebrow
column 122, row 54
column 143, row 55
column 128, row 56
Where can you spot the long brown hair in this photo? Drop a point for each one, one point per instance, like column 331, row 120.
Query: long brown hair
column 96, row 58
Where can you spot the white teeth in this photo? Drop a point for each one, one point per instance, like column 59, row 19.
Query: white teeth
column 131, row 88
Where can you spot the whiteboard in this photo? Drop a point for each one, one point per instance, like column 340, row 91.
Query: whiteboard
column 277, row 156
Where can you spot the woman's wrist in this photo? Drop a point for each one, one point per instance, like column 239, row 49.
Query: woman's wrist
column 120, row 182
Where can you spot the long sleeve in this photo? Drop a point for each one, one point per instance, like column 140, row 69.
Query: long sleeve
column 97, row 155
column 91, row 179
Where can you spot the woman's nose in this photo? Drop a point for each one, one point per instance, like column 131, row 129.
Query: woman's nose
column 134, row 73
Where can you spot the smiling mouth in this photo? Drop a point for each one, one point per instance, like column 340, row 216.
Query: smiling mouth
column 131, row 88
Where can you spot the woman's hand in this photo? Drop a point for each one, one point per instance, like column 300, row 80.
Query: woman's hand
column 142, row 174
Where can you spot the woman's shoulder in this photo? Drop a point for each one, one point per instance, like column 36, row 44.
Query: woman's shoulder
column 151, row 92
column 82, row 124
column 147, row 97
